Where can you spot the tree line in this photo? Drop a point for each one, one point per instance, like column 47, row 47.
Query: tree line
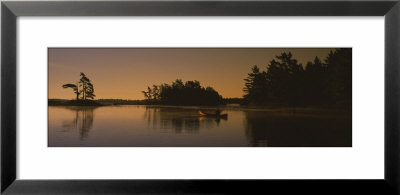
column 286, row 82
column 180, row 93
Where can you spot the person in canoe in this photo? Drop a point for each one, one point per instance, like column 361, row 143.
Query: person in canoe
column 217, row 114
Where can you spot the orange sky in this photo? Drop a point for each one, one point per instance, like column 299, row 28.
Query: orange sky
column 122, row 73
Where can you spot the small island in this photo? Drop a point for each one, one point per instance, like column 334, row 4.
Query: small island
column 84, row 91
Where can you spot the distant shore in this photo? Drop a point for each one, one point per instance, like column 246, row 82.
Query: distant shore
column 53, row 102
column 110, row 102
column 280, row 109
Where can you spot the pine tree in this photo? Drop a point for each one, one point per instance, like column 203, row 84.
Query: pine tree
column 87, row 88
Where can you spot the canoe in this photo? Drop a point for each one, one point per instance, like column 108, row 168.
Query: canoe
column 213, row 115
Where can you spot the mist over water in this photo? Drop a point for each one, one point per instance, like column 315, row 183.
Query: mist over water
column 179, row 126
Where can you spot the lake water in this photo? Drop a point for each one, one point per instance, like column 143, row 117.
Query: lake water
column 158, row 126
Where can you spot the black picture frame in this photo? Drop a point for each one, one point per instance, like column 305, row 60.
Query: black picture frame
column 11, row 10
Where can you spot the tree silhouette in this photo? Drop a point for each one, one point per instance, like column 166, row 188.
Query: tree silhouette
column 286, row 82
column 256, row 87
column 74, row 87
column 316, row 82
column 179, row 93
column 85, row 86
column 339, row 78
column 147, row 94
column 291, row 80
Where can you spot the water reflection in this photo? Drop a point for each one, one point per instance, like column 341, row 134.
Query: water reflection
column 159, row 126
column 82, row 121
column 178, row 120
column 296, row 130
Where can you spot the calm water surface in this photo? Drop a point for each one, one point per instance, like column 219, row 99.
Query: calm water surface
column 152, row 126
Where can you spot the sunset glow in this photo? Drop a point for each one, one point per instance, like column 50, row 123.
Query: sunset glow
column 122, row 73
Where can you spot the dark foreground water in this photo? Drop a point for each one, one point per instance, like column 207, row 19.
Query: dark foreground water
column 182, row 126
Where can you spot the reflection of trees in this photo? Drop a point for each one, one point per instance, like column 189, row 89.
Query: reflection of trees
column 288, row 130
column 256, row 130
column 178, row 120
column 81, row 121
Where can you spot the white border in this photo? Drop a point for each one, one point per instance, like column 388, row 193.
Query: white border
column 363, row 161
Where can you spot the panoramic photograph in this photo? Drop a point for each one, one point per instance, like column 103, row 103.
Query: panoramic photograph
column 199, row 97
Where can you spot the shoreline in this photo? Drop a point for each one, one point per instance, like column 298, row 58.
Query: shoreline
column 281, row 109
